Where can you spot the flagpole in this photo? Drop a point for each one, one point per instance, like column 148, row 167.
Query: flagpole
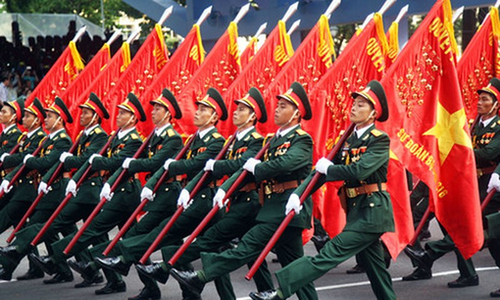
column 79, row 34
column 115, row 35
column 386, row 6
column 165, row 15
column 332, row 7
column 457, row 14
column 243, row 11
column 402, row 13
column 291, row 10
column 204, row 15
column 294, row 26
column 261, row 29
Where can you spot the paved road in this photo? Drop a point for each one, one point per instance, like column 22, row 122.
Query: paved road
column 334, row 285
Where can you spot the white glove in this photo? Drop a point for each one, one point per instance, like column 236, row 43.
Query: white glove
column 64, row 155
column 219, row 196
column 126, row 162
column 250, row 165
column 5, row 186
column 323, row 164
column 494, row 183
column 43, row 188
column 209, row 165
column 183, row 199
column 106, row 192
column 147, row 193
column 28, row 156
column 93, row 156
column 293, row 204
column 4, row 156
column 71, row 188
column 167, row 163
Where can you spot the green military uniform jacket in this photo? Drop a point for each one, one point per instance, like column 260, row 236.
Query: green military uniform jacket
column 238, row 153
column 87, row 145
column 486, row 144
column 161, row 147
column 288, row 158
column 12, row 163
column 119, row 149
column 9, row 138
column 27, row 146
column 199, row 152
column 363, row 159
column 46, row 159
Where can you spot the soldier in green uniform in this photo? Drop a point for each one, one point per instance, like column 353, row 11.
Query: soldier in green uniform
column 362, row 165
column 91, row 140
column 486, row 143
column 244, row 204
column 286, row 163
column 58, row 141
column 118, row 208
column 164, row 144
column 12, row 112
column 207, row 144
column 18, row 203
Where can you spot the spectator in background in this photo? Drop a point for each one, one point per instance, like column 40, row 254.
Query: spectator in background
column 5, row 78
column 30, row 76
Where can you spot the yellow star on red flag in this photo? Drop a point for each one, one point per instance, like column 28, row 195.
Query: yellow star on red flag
column 449, row 130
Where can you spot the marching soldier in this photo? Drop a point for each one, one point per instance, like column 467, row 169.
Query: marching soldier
column 164, row 144
column 244, row 204
column 286, row 163
column 19, row 203
column 118, row 207
column 363, row 166
column 207, row 144
column 11, row 114
column 486, row 142
column 58, row 142
column 91, row 140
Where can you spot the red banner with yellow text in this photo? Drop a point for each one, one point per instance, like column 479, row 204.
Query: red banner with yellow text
column 479, row 62
column 428, row 126
column 219, row 69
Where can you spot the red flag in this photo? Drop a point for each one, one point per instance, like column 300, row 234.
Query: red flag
column 308, row 64
column 393, row 43
column 249, row 52
column 260, row 71
column 107, row 79
column 146, row 64
column 219, row 70
column 479, row 62
column 181, row 67
column 362, row 61
column 61, row 74
column 78, row 86
column 428, row 126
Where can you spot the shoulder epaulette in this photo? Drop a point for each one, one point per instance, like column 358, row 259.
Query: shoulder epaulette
column 14, row 130
column 216, row 135
column 40, row 133
column 63, row 135
column 376, row 132
column 301, row 132
column 170, row 132
column 97, row 130
column 134, row 136
column 256, row 135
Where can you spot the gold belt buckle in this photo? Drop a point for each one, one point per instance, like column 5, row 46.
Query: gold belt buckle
column 268, row 190
column 351, row 192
